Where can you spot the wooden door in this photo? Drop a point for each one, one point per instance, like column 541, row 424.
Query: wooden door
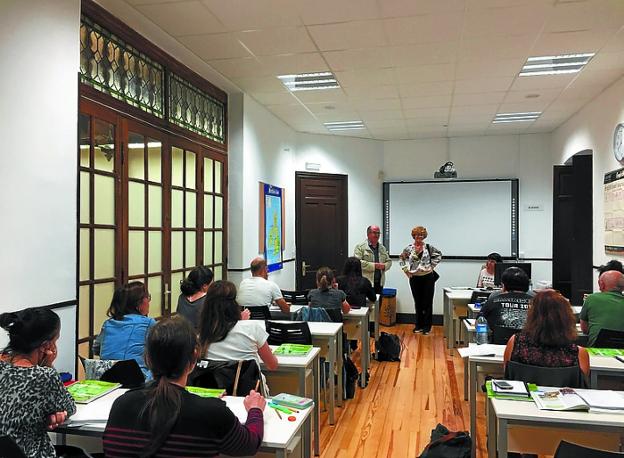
column 321, row 224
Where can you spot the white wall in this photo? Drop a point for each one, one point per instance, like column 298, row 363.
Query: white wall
column 592, row 128
column 39, row 93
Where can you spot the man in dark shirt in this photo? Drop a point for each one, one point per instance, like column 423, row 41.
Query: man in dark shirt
column 509, row 308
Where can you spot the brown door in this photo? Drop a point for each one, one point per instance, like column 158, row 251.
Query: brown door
column 321, row 224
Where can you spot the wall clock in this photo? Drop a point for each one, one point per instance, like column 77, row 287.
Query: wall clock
column 618, row 143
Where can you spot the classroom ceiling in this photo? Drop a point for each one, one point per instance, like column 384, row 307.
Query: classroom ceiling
column 407, row 68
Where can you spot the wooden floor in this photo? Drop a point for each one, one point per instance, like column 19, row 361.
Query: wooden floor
column 404, row 401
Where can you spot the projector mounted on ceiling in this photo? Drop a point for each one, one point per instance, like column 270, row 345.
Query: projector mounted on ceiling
column 446, row 171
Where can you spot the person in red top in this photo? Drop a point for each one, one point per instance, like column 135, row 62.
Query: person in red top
column 162, row 419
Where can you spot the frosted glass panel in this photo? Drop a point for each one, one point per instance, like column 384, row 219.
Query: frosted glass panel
column 176, row 278
column 218, row 212
column 84, row 129
column 208, row 182
column 177, row 208
column 104, row 200
column 136, row 204
column 177, row 250
column 191, row 210
column 83, row 312
column 190, row 249
column 84, row 155
column 177, row 166
column 104, row 253
column 208, row 248
column 84, row 197
column 190, row 170
column 208, row 218
column 85, row 254
column 154, row 195
column 154, row 255
column 218, row 273
column 136, row 252
column 103, row 293
column 154, row 168
column 136, row 156
column 104, row 146
column 154, row 286
column 218, row 247
column 217, row 187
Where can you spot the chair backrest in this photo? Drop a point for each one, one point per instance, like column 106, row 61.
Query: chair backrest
column 237, row 378
column 297, row 332
column 126, row 372
column 296, row 297
column 260, row 312
column 609, row 338
column 9, row 449
column 314, row 314
column 570, row 376
column 569, row 450
column 500, row 335
column 479, row 296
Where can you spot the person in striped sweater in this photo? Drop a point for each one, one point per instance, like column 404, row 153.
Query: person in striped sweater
column 162, row 419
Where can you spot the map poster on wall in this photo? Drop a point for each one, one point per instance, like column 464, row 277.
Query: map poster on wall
column 272, row 208
column 614, row 211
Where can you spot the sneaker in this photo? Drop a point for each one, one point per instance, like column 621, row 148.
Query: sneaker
column 417, row 330
column 425, row 333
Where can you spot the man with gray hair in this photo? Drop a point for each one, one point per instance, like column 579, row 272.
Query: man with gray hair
column 374, row 258
column 259, row 290
column 604, row 310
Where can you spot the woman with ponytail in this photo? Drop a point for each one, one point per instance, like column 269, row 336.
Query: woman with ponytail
column 32, row 397
column 194, row 288
column 163, row 419
column 328, row 296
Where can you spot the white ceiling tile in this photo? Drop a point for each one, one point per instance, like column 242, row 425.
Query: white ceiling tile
column 523, row 107
column 366, row 78
column 591, row 77
column 480, row 98
column 402, row 8
column 507, row 128
column 215, row 46
column 488, row 68
column 474, row 110
column 380, row 115
column 435, row 101
column 424, row 29
column 500, row 47
column 292, row 110
column 581, row 92
column 385, row 124
column 337, row 116
column 152, row 2
column 426, row 89
column 328, row 11
column 322, row 96
column 521, row 96
column 261, row 84
column 348, row 35
column 426, row 132
column 514, row 20
column 183, row 18
column 258, row 14
column 372, row 92
column 482, row 85
column 425, row 124
column 606, row 61
column 286, row 64
column 240, row 68
column 566, row 16
column 534, row 83
column 574, row 42
column 358, row 59
column 337, row 108
column 364, row 104
column 424, row 73
column 570, row 106
column 616, row 43
column 465, row 132
column 433, row 53
column 282, row 40
column 475, row 5
column 273, row 98
column 440, row 114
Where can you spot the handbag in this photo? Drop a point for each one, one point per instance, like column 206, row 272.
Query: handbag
column 436, row 275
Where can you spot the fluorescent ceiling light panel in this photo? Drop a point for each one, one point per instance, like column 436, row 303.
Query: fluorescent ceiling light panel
column 344, row 125
column 309, row 81
column 516, row 117
column 556, row 65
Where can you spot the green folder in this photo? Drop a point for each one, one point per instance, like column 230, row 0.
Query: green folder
column 206, row 392
column 610, row 352
column 85, row 391
column 287, row 349
column 511, row 397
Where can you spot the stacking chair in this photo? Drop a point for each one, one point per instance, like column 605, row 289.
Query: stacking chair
column 126, row 372
column 237, row 378
column 259, row 312
column 296, row 297
column 571, row 376
column 297, row 332
column 609, row 338
column 501, row 335
column 569, row 450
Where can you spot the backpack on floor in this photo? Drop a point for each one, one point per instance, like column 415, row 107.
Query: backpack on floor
column 448, row 444
column 350, row 376
column 388, row 347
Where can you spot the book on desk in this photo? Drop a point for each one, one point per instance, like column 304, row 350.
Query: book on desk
column 565, row 399
column 85, row 391
column 287, row 349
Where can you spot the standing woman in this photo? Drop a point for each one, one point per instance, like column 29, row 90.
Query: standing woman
column 194, row 288
column 418, row 261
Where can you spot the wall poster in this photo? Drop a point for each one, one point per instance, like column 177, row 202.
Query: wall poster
column 614, row 211
column 272, row 225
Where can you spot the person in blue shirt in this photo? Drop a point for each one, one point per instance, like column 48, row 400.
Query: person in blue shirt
column 123, row 334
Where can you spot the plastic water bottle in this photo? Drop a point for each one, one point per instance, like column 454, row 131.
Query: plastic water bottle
column 481, row 328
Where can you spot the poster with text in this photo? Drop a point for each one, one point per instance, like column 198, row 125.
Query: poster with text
column 614, row 211
column 273, row 244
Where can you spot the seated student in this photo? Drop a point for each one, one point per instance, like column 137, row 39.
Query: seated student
column 259, row 290
column 225, row 334
column 356, row 287
column 328, row 296
column 163, row 419
column 509, row 308
column 123, row 334
column 548, row 336
column 604, row 309
column 614, row 264
column 194, row 289
column 32, row 398
column 486, row 276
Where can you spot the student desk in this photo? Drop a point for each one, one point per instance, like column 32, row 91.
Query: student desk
column 280, row 436
column 506, row 417
column 277, row 313
column 453, row 297
column 470, row 329
column 360, row 318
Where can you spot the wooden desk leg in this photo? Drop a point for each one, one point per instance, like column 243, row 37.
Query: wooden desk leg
column 331, row 357
column 472, row 370
column 491, row 431
column 339, row 364
column 317, row 410
column 501, row 442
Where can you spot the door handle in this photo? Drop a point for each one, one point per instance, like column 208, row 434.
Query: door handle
column 304, row 266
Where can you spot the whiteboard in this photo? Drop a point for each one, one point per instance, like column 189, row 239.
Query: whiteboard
column 464, row 218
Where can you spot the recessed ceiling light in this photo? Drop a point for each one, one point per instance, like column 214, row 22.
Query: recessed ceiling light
column 516, row 117
column 531, row 96
column 344, row 125
column 556, row 65
column 309, row 81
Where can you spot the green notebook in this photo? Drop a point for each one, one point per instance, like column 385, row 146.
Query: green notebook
column 493, row 394
column 206, row 392
column 611, row 352
column 287, row 349
column 85, row 391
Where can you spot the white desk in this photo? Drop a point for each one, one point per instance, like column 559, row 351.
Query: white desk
column 453, row 296
column 361, row 317
column 277, row 313
column 280, row 436
column 505, row 414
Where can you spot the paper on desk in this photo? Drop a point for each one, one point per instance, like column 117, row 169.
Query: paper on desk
column 602, row 399
column 480, row 350
column 96, row 411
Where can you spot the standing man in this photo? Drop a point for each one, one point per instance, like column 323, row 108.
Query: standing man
column 259, row 290
column 374, row 258
column 604, row 310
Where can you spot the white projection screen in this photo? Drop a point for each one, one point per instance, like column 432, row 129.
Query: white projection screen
column 464, row 218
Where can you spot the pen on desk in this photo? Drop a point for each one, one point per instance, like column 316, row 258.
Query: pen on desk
column 278, row 414
column 257, row 385
column 620, row 359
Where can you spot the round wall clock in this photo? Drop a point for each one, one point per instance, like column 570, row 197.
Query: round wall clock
column 618, row 143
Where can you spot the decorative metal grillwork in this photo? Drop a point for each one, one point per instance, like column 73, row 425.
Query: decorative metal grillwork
column 114, row 67
column 193, row 109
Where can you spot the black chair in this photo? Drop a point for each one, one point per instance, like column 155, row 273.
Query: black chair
column 296, row 332
column 479, row 296
column 609, row 338
column 9, row 449
column 259, row 312
column 569, row 450
column 500, row 335
column 237, row 378
column 571, row 376
column 126, row 372
column 296, row 297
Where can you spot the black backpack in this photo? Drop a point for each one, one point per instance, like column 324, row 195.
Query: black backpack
column 350, row 376
column 448, row 444
column 388, row 347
